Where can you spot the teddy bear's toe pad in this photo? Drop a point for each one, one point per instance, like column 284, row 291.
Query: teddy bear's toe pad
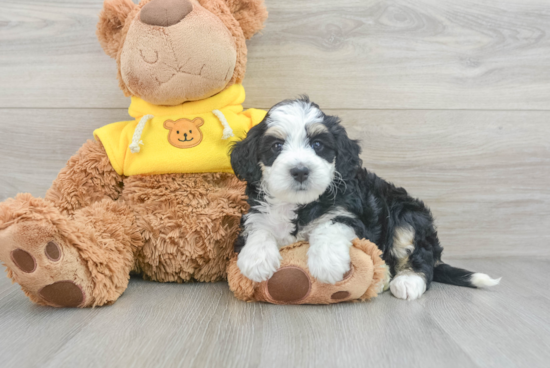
column 340, row 295
column 63, row 294
column 289, row 284
column 53, row 252
column 23, row 260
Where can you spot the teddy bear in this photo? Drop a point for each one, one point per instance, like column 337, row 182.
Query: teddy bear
column 292, row 283
column 156, row 195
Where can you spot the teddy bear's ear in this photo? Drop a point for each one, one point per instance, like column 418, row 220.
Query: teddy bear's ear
column 111, row 22
column 169, row 124
column 198, row 122
column 251, row 15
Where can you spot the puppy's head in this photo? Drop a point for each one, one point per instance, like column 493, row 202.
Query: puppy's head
column 296, row 152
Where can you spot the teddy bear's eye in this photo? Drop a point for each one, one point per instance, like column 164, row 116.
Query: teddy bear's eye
column 178, row 132
column 190, row 131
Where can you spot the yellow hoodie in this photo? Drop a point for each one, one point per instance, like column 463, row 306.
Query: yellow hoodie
column 193, row 137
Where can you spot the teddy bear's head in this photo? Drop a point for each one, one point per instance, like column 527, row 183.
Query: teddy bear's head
column 172, row 51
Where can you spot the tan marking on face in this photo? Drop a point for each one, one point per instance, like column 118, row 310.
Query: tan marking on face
column 315, row 129
column 276, row 132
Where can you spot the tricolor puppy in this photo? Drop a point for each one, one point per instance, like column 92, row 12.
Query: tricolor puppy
column 305, row 182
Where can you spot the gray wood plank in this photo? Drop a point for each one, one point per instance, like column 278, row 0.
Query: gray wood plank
column 436, row 54
column 485, row 174
column 34, row 333
column 203, row 325
column 33, row 152
column 498, row 326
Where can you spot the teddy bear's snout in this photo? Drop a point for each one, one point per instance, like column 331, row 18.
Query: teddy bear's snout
column 165, row 13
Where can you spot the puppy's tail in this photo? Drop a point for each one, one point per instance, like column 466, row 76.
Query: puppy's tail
column 447, row 274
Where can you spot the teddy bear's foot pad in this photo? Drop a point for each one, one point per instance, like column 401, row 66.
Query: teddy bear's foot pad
column 63, row 294
column 48, row 268
column 289, row 284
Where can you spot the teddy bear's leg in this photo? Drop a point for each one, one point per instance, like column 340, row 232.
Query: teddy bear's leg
column 87, row 178
column 62, row 261
column 293, row 283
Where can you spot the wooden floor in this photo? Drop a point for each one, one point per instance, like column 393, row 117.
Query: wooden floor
column 450, row 99
column 203, row 325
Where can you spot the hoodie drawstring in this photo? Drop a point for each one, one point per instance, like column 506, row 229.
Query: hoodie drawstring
column 136, row 139
column 227, row 131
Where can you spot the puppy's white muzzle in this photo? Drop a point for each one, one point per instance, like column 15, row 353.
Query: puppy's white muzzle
column 298, row 176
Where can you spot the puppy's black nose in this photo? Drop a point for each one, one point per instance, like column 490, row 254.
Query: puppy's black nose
column 300, row 174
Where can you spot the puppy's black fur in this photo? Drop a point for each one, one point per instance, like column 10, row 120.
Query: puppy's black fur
column 379, row 206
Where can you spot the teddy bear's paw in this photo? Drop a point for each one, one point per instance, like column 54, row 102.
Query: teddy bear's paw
column 294, row 285
column 49, row 270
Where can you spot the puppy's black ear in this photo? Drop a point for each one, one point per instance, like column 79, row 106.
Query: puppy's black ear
column 348, row 161
column 245, row 155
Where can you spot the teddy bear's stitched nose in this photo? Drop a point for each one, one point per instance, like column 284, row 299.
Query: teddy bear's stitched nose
column 165, row 13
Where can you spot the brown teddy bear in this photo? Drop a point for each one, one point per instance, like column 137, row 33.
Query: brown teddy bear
column 156, row 195
column 293, row 284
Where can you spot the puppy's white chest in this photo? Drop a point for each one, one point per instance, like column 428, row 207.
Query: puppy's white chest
column 278, row 219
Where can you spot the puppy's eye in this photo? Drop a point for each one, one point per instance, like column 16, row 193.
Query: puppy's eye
column 277, row 147
column 317, row 146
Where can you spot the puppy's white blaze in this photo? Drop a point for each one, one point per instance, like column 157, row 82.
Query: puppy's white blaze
column 481, row 280
column 408, row 285
column 403, row 239
column 294, row 115
column 291, row 121
column 328, row 254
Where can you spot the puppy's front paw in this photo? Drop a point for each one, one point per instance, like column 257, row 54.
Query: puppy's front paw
column 328, row 268
column 408, row 286
column 259, row 263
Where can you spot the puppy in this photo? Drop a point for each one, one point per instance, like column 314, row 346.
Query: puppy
column 305, row 181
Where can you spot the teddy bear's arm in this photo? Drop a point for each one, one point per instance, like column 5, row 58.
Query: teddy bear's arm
column 88, row 178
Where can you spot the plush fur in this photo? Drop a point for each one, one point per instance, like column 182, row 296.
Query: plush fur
column 305, row 182
column 168, row 228
column 368, row 277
